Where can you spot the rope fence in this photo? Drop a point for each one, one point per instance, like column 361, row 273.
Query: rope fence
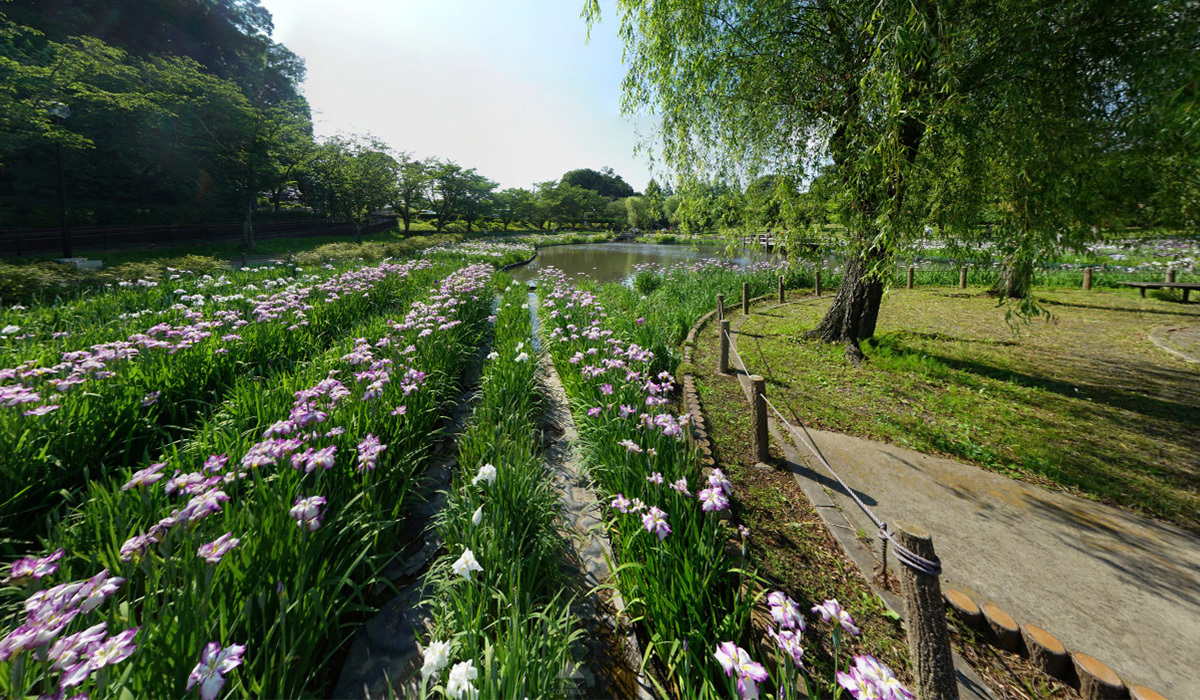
column 928, row 635
column 931, row 567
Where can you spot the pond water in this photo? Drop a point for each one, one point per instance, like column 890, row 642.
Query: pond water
column 615, row 262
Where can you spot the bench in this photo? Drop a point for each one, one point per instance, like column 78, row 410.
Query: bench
column 1185, row 286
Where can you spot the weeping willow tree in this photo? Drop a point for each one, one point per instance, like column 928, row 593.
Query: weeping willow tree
column 879, row 93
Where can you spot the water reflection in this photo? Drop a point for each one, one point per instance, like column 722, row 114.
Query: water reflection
column 614, row 262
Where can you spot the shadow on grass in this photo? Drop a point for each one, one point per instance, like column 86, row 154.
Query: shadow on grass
column 1121, row 400
column 1097, row 307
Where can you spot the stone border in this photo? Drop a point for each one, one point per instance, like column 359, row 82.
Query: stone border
column 519, row 263
column 1086, row 674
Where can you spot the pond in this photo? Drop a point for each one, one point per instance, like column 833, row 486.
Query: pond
column 615, row 262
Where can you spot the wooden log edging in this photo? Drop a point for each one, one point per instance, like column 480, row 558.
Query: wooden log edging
column 1086, row 674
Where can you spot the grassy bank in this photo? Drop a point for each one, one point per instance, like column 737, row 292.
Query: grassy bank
column 1082, row 401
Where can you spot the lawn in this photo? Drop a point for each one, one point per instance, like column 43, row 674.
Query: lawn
column 1081, row 401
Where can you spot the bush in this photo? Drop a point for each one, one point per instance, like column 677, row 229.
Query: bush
column 23, row 283
column 646, row 282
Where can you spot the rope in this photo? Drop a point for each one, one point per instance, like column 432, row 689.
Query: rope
column 932, row 567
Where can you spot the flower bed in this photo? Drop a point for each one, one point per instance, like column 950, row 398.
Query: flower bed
column 673, row 550
column 501, row 623
column 80, row 414
column 230, row 565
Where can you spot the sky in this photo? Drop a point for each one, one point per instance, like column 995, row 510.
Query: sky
column 512, row 88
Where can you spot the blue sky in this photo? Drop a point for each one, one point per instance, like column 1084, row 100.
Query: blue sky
column 513, row 89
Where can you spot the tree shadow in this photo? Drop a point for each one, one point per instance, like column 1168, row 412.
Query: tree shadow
column 1140, row 557
column 1161, row 312
column 942, row 337
column 1124, row 400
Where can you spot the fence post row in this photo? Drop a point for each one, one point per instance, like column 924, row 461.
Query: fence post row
column 817, row 287
column 911, row 275
column 720, row 307
column 962, row 277
column 745, row 298
column 1171, row 276
column 782, row 299
column 1087, row 279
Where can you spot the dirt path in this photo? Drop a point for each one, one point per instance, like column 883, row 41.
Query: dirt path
column 1105, row 582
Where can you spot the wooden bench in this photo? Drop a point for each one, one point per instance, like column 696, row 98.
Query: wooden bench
column 1185, row 286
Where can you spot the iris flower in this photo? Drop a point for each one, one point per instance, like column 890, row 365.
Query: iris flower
column 215, row 664
column 437, row 655
column 466, row 564
column 655, row 521
column 784, row 611
column 734, row 659
column 832, row 610
column 213, row 551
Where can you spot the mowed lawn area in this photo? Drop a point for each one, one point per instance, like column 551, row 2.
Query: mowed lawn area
column 1083, row 401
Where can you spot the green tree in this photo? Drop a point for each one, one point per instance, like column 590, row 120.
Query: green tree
column 359, row 176
column 654, row 203
column 445, row 190
column 515, row 204
column 604, row 181
column 637, row 211
column 411, row 187
column 476, row 196
column 873, row 88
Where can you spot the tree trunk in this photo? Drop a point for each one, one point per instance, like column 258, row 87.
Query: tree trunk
column 407, row 217
column 248, row 228
column 358, row 231
column 1016, row 278
column 469, row 224
column 855, row 309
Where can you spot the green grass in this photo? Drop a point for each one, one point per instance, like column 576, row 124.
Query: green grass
column 1082, row 401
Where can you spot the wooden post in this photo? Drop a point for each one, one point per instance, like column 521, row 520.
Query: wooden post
column 723, row 363
column 928, row 639
column 782, row 298
column 1171, row 275
column 1087, row 279
column 962, row 277
column 243, row 260
column 758, row 388
column 745, row 298
column 817, row 289
column 720, row 307
column 912, row 271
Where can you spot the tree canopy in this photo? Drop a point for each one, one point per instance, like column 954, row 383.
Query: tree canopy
column 889, row 97
column 178, row 111
column 604, row 181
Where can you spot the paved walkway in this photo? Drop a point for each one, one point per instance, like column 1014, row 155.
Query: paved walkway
column 1119, row 587
column 1181, row 342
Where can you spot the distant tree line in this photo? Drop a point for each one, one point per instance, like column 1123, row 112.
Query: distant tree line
column 187, row 111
